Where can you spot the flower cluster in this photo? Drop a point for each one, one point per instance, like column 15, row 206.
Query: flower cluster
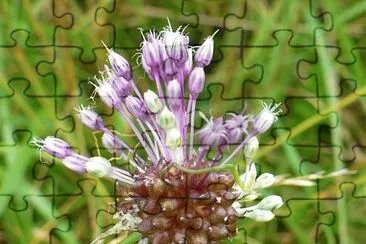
column 181, row 198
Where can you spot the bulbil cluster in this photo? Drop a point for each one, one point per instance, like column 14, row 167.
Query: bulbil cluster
column 174, row 197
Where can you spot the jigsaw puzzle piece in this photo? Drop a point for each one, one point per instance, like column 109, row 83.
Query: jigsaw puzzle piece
column 38, row 20
column 19, row 65
column 55, row 228
column 311, row 219
column 300, row 109
column 75, row 36
column 213, row 14
column 269, row 18
column 328, row 73
column 97, row 196
column 267, row 60
column 348, row 205
column 347, row 140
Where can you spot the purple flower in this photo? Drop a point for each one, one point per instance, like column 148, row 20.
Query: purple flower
column 122, row 87
column 120, row 65
column 107, row 93
column 75, row 162
column 54, row 146
column 163, row 123
column 196, row 81
column 236, row 127
column 111, row 143
column 176, row 44
column 214, row 134
column 174, row 92
column 153, row 51
column 204, row 53
column 90, row 118
column 136, row 107
column 264, row 120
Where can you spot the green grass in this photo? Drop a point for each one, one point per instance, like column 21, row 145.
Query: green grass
column 27, row 108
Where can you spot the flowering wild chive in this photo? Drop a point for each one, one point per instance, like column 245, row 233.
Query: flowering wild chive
column 179, row 194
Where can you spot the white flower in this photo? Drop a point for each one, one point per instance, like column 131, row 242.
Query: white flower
column 98, row 166
column 152, row 101
column 264, row 120
column 264, row 180
column 259, row 215
column 173, row 138
column 166, row 119
column 251, row 147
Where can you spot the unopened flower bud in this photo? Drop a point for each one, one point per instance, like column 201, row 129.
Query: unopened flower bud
column 204, row 53
column 168, row 69
column 174, row 92
column 153, row 51
column 270, row 203
column 108, row 94
column 53, row 146
column 249, row 197
column 98, row 166
column 90, row 118
column 188, row 64
column 196, row 81
column 147, row 68
column 75, row 162
column 248, row 178
column 121, row 86
column 251, row 148
column 152, row 101
column 120, row 65
column 264, row 180
column 111, row 143
column 173, row 138
column 176, row 45
column 264, row 120
column 260, row 215
column 136, row 107
column 166, row 119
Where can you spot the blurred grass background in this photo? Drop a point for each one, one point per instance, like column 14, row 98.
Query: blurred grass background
column 49, row 50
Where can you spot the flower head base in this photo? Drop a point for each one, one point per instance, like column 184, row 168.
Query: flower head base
column 179, row 197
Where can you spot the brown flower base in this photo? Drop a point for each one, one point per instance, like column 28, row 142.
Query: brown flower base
column 176, row 207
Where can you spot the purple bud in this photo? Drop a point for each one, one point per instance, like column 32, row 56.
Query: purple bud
column 153, row 51
column 108, row 94
column 111, row 143
column 136, row 107
column 90, row 118
column 236, row 127
column 204, row 53
column 120, row 65
column 147, row 68
column 196, row 81
column 75, row 162
column 174, row 92
column 53, row 146
column 214, row 134
column 121, row 86
column 188, row 64
column 168, row 69
column 176, row 45
column 264, row 120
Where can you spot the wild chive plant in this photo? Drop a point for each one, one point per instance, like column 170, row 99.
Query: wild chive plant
column 178, row 194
